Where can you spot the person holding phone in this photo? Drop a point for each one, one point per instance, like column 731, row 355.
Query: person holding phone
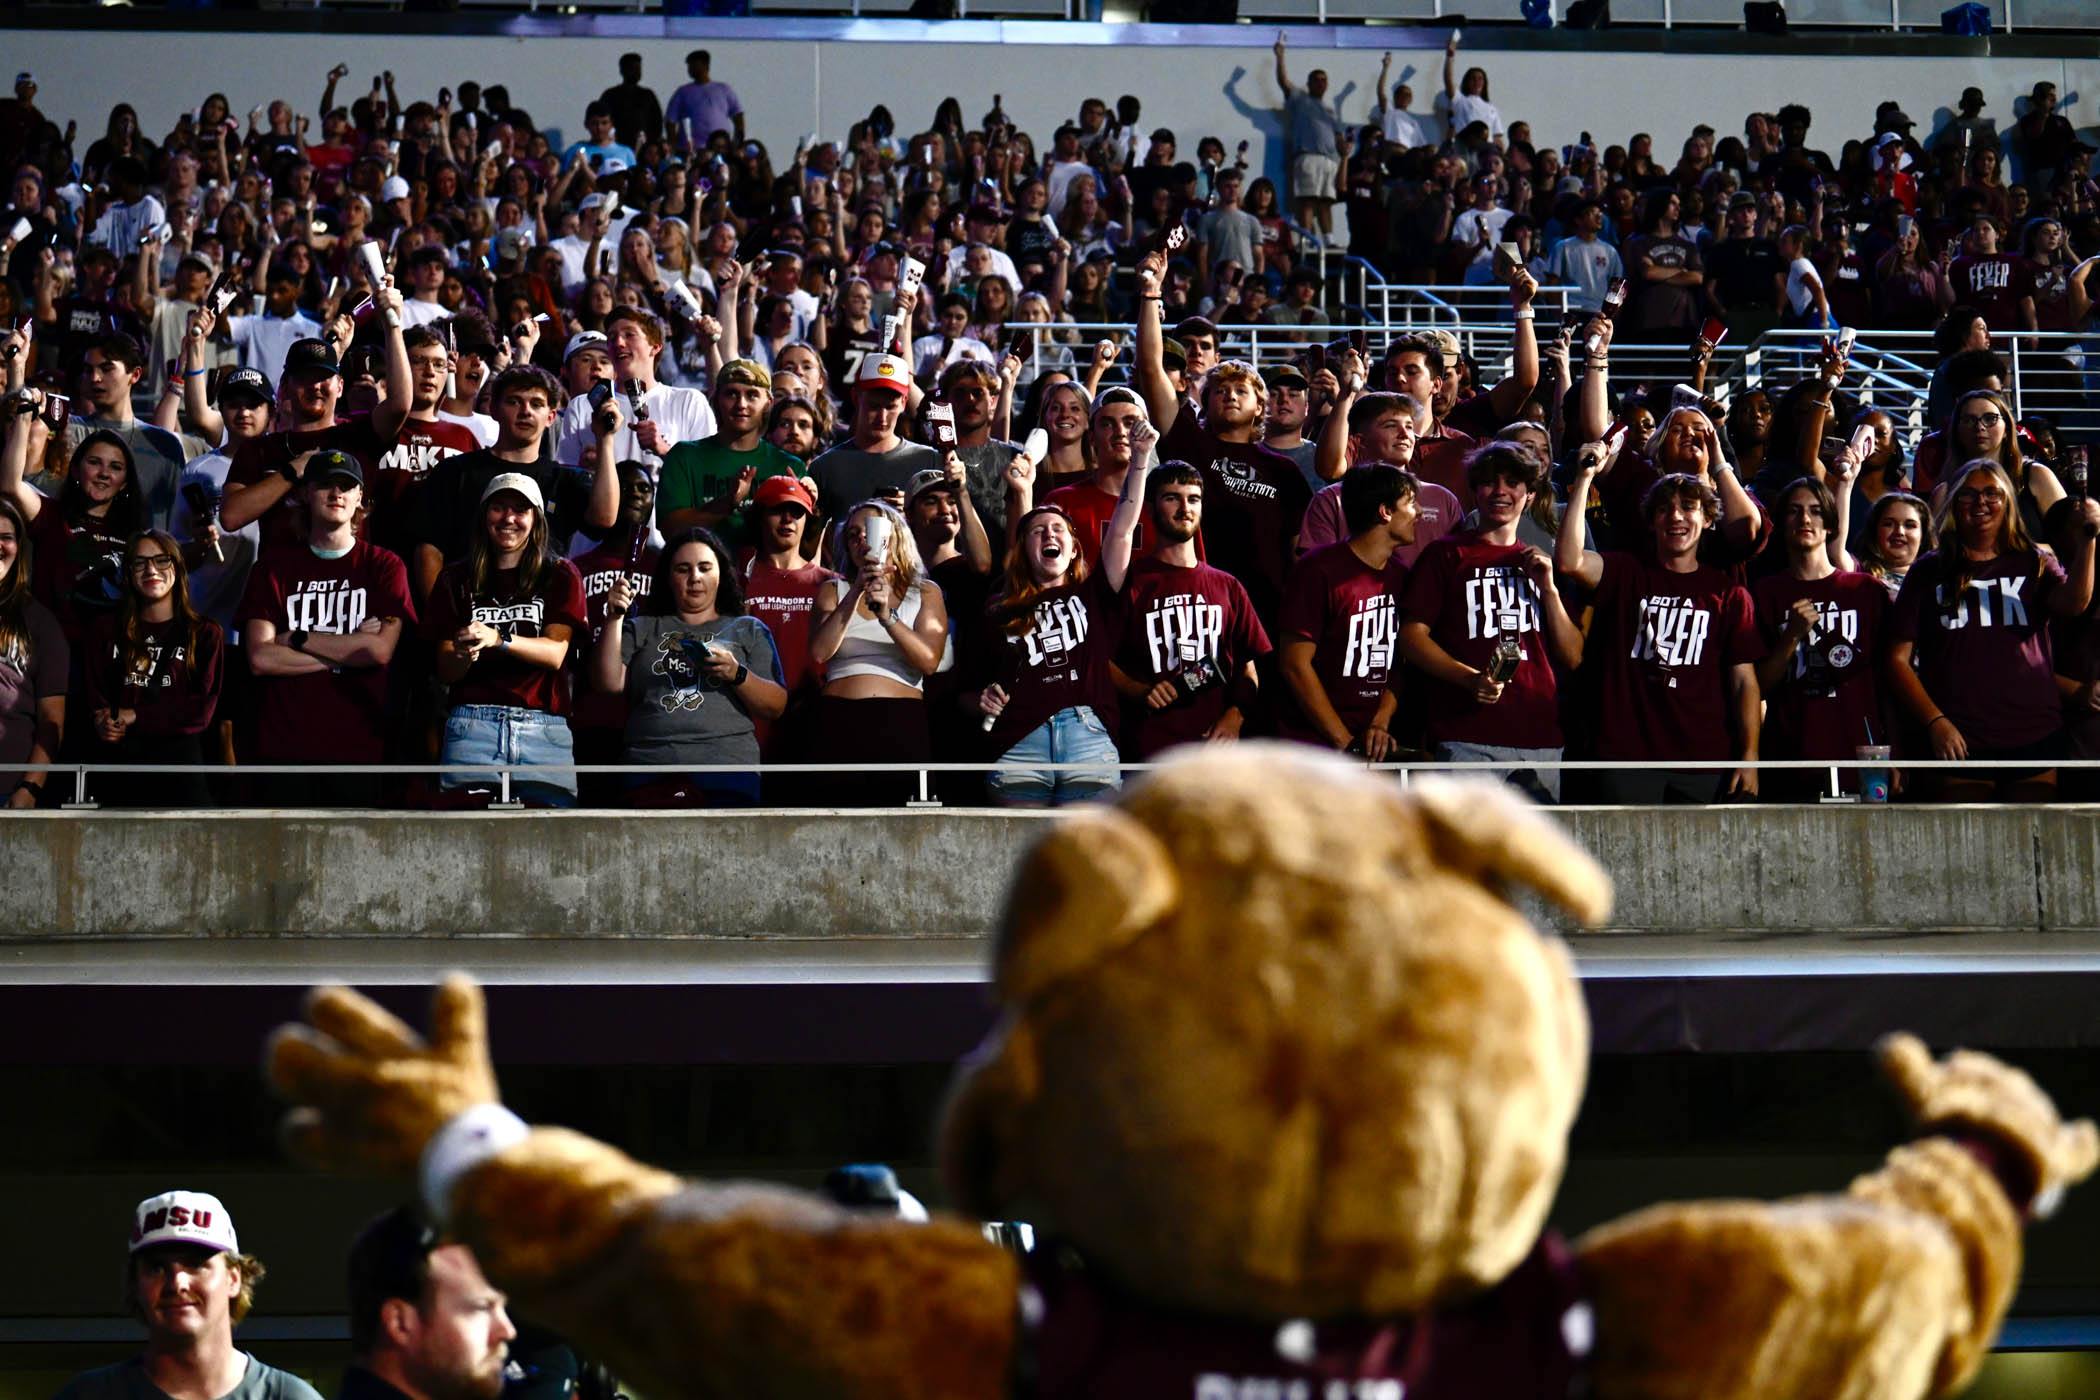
column 1482, row 620
column 1672, row 649
column 78, row 534
column 1048, row 694
column 698, row 672
column 879, row 632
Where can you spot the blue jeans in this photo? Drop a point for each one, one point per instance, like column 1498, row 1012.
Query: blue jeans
column 1543, row 784
column 1075, row 735
column 504, row 734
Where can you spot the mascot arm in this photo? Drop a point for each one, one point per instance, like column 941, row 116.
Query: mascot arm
column 695, row 1289
column 1894, row 1289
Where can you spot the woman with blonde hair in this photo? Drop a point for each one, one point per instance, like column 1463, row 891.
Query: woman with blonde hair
column 1983, row 426
column 1975, row 616
column 879, row 631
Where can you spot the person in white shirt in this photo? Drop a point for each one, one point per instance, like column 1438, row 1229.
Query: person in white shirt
column 426, row 273
column 264, row 339
column 976, row 256
column 675, row 415
column 133, row 215
column 1485, row 213
column 593, row 229
column 1402, row 129
column 930, row 354
column 1065, row 165
column 1468, row 97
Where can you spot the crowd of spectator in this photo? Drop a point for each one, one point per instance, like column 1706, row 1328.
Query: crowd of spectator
column 438, row 439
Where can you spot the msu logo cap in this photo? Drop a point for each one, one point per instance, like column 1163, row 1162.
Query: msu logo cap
column 183, row 1217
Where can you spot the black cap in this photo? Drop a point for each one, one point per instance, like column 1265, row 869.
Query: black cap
column 310, row 357
column 252, row 382
column 1285, row 373
column 332, row 462
column 1972, row 99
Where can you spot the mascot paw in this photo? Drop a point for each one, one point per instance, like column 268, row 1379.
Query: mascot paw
column 368, row 1092
column 1972, row 1091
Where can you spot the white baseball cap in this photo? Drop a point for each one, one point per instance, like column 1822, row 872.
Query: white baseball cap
column 583, row 340
column 183, row 1217
column 394, row 188
column 519, row 482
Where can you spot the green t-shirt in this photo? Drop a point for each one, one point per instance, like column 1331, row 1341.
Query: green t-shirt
column 695, row 473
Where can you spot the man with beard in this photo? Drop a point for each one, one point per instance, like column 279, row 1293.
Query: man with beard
column 1186, row 669
column 189, row 1283
column 424, row 1323
column 1256, row 495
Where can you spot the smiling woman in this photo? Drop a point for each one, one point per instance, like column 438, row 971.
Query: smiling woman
column 153, row 674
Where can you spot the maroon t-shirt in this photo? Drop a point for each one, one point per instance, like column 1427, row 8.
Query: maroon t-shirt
column 390, row 491
column 601, row 567
column 336, row 716
column 1625, row 486
column 1829, row 701
column 1472, row 594
column 79, row 569
column 1059, row 663
column 1474, row 417
column 1993, row 283
column 1441, row 457
column 1174, row 620
column 782, row 599
column 269, row 454
column 175, row 693
column 512, row 609
column 1986, row 657
column 1349, row 612
column 1254, row 499
column 1527, row 1338
column 1663, row 644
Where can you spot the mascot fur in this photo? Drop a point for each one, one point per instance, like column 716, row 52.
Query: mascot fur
column 1286, row 1084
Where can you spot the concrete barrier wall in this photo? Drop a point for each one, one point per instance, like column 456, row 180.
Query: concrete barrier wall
column 1825, row 876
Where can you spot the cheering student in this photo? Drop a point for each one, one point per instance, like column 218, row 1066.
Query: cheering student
column 1376, row 427
column 1047, row 695
column 80, row 537
column 1186, row 668
column 1822, row 629
column 879, row 632
column 1483, row 621
column 710, row 483
column 1092, row 504
column 1673, row 647
column 635, row 338
column 697, row 672
column 503, row 620
column 1975, row 615
column 1255, row 496
column 34, row 661
column 1898, row 531
column 320, row 624
column 153, row 671
column 1339, row 620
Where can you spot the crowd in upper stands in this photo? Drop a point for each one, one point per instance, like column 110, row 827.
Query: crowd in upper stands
column 415, row 433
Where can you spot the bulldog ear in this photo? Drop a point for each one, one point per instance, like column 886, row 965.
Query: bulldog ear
column 1486, row 832
column 1085, row 890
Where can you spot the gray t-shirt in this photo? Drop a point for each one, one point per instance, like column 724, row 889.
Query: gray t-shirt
column 674, row 713
column 1303, row 455
column 1232, row 235
column 1312, row 126
column 127, row 1380
column 985, row 468
column 847, row 475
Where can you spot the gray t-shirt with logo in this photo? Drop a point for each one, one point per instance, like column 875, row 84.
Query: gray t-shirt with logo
column 675, row 713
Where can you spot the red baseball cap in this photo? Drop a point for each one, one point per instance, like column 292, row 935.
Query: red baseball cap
column 776, row 490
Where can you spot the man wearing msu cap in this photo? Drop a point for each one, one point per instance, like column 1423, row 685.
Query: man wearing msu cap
column 189, row 1284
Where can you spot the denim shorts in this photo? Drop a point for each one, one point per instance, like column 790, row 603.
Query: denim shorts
column 504, row 734
column 1074, row 735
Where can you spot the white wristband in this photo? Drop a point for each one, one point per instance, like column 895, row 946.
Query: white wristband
column 1524, row 313
column 464, row 1143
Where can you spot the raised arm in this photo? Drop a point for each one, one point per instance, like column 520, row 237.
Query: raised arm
column 14, row 458
column 392, row 411
column 1149, row 368
column 1509, row 397
column 1130, row 506
column 1593, row 413
column 1569, row 556
column 1283, row 81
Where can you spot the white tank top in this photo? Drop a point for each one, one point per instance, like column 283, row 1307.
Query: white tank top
column 868, row 650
